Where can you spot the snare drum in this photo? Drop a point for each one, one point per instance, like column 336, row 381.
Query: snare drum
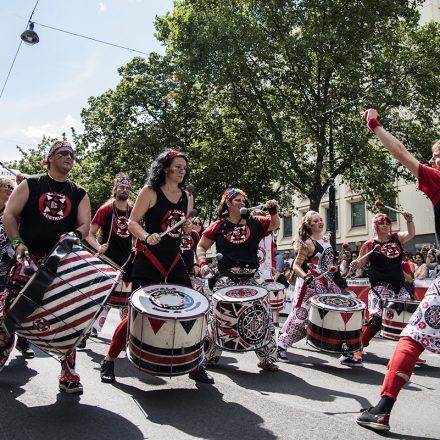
column 241, row 318
column 63, row 298
column 167, row 329
column 395, row 315
column 119, row 296
column 335, row 323
column 276, row 295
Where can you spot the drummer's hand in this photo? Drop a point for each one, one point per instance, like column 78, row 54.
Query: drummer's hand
column 187, row 227
column 103, row 248
column 21, row 251
column 271, row 204
column 206, row 271
column 196, row 271
column 371, row 113
column 153, row 239
column 354, row 264
column 407, row 216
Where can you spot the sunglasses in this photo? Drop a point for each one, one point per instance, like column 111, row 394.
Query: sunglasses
column 197, row 224
column 123, row 188
column 384, row 222
column 66, row 153
column 8, row 187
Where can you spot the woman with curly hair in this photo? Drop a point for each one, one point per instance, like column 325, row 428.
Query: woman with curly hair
column 161, row 203
column 236, row 236
column 314, row 256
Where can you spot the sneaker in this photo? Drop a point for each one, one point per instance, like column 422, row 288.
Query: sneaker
column 377, row 422
column 94, row 333
column 282, row 354
column 82, row 344
column 201, row 375
column 70, row 387
column 108, row 371
column 24, row 348
column 350, row 361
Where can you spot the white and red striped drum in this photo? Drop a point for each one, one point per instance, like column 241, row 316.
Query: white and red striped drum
column 395, row 315
column 335, row 323
column 56, row 318
column 167, row 329
column 276, row 295
column 241, row 318
column 121, row 294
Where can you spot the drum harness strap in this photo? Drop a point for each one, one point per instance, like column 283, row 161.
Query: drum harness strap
column 156, row 263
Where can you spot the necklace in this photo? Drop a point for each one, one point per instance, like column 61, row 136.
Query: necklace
column 49, row 178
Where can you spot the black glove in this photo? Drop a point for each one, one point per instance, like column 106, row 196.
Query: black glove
column 308, row 280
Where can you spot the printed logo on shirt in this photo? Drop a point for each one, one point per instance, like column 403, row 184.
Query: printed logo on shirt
column 239, row 234
column 54, row 206
column 390, row 250
column 261, row 255
column 120, row 226
column 187, row 243
column 170, row 219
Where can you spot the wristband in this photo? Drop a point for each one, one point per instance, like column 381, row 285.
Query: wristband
column 78, row 234
column 146, row 238
column 308, row 280
column 373, row 123
column 16, row 241
column 203, row 262
column 273, row 211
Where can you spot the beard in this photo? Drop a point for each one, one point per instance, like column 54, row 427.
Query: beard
column 122, row 196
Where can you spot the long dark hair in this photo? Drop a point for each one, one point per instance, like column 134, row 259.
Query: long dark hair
column 156, row 174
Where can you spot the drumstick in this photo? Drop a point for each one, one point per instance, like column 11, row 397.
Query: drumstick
column 8, row 169
column 379, row 205
column 192, row 213
column 376, row 248
column 219, row 256
column 331, row 269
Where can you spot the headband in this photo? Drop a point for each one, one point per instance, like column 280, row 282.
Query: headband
column 123, row 180
column 230, row 193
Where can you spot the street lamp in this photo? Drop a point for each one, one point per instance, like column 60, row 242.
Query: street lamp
column 29, row 36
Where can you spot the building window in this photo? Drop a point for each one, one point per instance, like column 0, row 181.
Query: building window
column 327, row 218
column 287, row 226
column 358, row 214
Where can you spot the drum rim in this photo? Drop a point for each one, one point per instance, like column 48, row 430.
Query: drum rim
column 250, row 298
column 282, row 287
column 170, row 318
column 362, row 305
column 402, row 301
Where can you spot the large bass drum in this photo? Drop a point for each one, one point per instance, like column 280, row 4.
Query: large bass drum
column 395, row 316
column 335, row 323
column 241, row 318
column 167, row 329
column 63, row 298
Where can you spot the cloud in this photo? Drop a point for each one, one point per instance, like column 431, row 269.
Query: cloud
column 37, row 132
column 102, row 7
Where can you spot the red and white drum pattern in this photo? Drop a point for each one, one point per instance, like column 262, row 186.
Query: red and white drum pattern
column 335, row 323
column 276, row 295
column 70, row 305
column 167, row 328
column 381, row 293
column 424, row 325
column 121, row 294
column 395, row 316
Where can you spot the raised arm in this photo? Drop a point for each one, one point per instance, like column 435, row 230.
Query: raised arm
column 411, row 229
column 392, row 144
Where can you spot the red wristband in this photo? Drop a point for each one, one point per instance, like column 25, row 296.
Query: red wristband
column 203, row 262
column 373, row 123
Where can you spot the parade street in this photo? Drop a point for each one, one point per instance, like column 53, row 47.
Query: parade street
column 312, row 397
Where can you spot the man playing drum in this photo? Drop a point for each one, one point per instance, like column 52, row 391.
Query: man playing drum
column 116, row 241
column 423, row 330
column 160, row 203
column 236, row 236
column 39, row 211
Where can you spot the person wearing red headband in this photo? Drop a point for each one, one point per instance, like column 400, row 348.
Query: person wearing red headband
column 423, row 329
column 161, row 202
column 39, row 211
column 236, row 236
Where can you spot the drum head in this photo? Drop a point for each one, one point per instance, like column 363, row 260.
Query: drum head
column 240, row 293
column 337, row 302
column 169, row 301
column 273, row 286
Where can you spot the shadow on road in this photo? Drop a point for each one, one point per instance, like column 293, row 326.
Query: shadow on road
column 66, row 419
column 200, row 412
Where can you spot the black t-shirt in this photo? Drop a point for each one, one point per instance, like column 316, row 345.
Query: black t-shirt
column 238, row 243
column 114, row 224
column 50, row 211
column 157, row 219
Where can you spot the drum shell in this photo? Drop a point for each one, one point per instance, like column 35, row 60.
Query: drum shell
column 164, row 346
column 120, row 295
column 335, row 331
column 70, row 304
column 396, row 314
column 232, row 318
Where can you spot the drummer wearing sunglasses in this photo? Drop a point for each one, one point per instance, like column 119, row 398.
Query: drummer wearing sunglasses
column 49, row 206
column 161, row 203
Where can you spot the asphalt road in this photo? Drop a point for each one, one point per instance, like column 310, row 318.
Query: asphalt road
column 312, row 397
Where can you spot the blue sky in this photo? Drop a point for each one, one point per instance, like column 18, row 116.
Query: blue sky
column 52, row 80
